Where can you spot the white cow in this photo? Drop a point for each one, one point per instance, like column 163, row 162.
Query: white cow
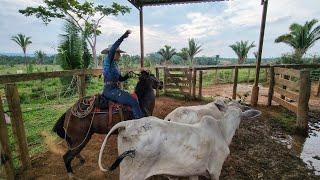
column 158, row 147
column 193, row 114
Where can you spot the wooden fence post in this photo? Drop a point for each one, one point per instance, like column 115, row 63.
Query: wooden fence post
column 82, row 86
column 248, row 80
column 232, row 74
column 165, row 80
column 271, row 86
column 5, row 152
column 217, row 77
column 158, row 77
column 266, row 74
column 304, row 95
column 235, row 82
column 200, row 84
column 194, row 82
column 13, row 99
column 190, row 81
column 318, row 89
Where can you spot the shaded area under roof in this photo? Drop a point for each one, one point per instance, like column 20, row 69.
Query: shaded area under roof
column 139, row 3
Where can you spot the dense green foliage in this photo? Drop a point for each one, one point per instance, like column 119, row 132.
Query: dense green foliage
column 301, row 37
column 40, row 55
column 15, row 60
column 167, row 52
column 242, row 49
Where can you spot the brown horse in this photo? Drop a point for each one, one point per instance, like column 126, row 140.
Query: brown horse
column 80, row 130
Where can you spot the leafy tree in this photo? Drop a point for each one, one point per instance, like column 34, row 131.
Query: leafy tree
column 184, row 54
column 301, row 37
column 86, row 56
column 70, row 50
column 167, row 52
column 242, row 49
column 23, row 42
column 193, row 49
column 40, row 56
column 87, row 16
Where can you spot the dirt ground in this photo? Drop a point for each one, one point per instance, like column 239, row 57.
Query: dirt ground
column 254, row 154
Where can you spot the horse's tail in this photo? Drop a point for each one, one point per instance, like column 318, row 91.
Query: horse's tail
column 130, row 153
column 58, row 127
column 115, row 127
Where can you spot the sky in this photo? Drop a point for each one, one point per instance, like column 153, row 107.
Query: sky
column 214, row 25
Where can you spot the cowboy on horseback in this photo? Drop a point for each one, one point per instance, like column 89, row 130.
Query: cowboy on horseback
column 112, row 78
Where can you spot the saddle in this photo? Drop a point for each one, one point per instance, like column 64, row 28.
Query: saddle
column 100, row 104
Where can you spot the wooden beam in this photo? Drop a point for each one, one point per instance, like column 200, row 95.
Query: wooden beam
column 289, row 84
column 285, row 104
column 141, row 37
column 255, row 88
column 271, row 86
column 303, row 102
column 82, row 86
column 200, row 84
column 235, row 83
column 288, row 72
column 13, row 99
column 6, row 156
column 158, row 77
column 194, row 83
column 289, row 94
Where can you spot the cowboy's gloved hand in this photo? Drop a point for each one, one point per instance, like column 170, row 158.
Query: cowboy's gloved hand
column 126, row 34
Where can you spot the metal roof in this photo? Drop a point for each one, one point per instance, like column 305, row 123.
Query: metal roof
column 140, row 3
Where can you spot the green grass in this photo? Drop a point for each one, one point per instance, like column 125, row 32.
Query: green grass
column 13, row 69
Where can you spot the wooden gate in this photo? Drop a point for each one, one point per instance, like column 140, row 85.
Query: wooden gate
column 293, row 91
column 178, row 80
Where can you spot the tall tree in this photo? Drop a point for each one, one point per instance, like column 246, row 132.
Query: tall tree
column 167, row 52
column 87, row 16
column 242, row 49
column 70, row 50
column 193, row 49
column 23, row 42
column 301, row 37
column 184, row 54
column 40, row 55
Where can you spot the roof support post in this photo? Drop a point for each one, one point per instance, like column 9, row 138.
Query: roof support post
column 141, row 36
column 255, row 88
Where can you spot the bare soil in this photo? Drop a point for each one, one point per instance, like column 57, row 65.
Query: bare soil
column 254, row 154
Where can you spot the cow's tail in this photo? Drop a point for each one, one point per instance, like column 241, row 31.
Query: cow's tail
column 117, row 126
column 130, row 153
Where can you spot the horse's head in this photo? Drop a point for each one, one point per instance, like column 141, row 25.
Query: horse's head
column 149, row 79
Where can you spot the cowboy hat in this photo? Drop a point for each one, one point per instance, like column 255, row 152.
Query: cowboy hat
column 106, row 51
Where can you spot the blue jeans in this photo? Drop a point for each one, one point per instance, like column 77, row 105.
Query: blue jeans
column 125, row 98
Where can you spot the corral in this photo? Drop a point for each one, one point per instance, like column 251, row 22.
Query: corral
column 164, row 106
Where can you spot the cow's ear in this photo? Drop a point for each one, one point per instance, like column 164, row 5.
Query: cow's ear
column 252, row 113
column 221, row 107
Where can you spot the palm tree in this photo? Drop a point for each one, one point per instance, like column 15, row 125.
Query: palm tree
column 23, row 42
column 193, row 49
column 40, row 55
column 184, row 54
column 167, row 52
column 301, row 37
column 242, row 49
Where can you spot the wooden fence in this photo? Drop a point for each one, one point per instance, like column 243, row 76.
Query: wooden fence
column 197, row 73
column 177, row 80
column 294, row 87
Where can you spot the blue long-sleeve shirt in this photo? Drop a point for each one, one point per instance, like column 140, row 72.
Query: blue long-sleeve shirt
column 111, row 70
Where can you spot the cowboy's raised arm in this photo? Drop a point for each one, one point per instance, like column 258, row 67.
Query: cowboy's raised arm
column 116, row 45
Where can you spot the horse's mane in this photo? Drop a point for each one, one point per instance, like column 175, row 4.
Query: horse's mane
column 141, row 87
